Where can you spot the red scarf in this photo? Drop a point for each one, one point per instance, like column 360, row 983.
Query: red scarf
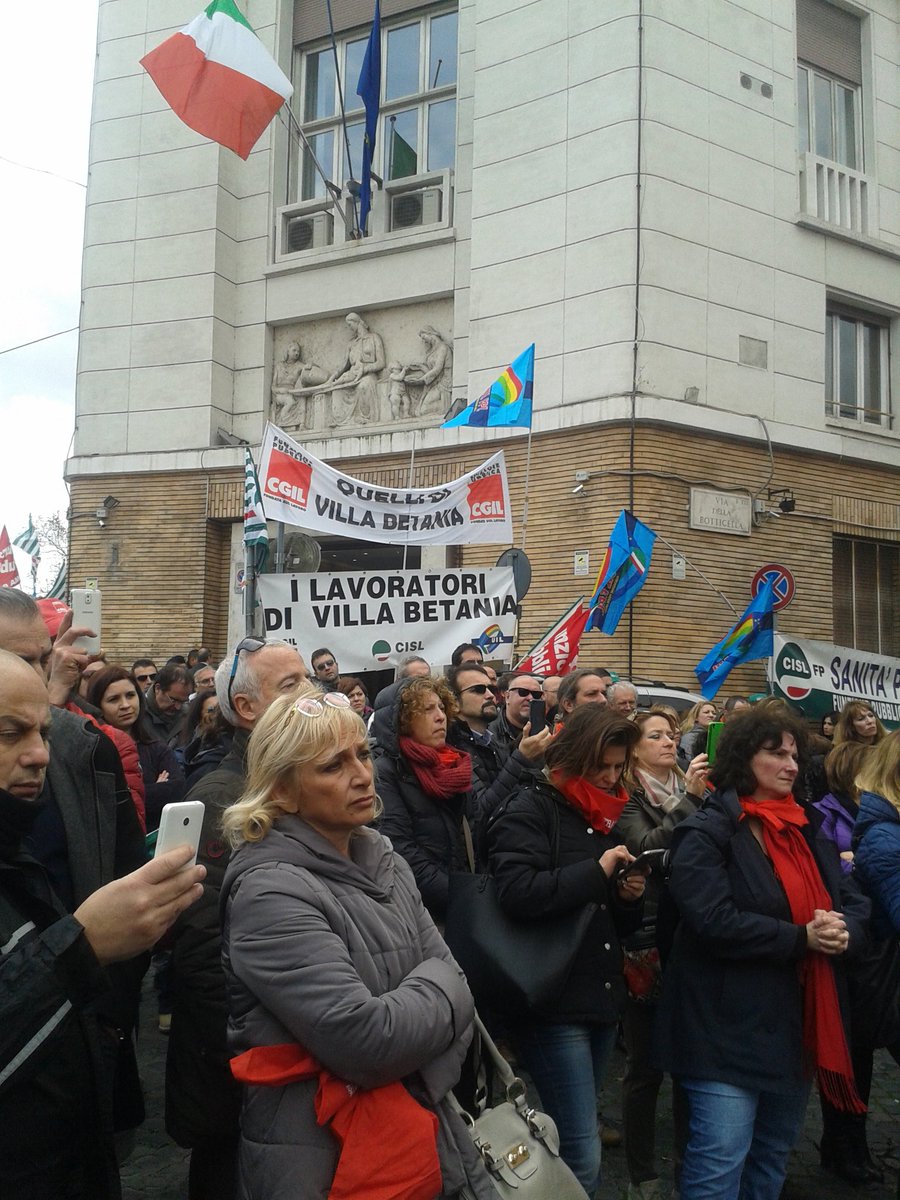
column 442, row 772
column 600, row 809
column 795, row 867
column 403, row 1166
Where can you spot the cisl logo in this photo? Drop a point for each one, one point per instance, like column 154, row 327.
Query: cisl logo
column 485, row 498
column 793, row 673
column 287, row 479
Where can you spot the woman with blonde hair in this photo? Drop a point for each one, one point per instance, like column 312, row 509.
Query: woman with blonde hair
column 876, row 835
column 345, row 1006
column 661, row 796
column 858, row 723
column 694, row 729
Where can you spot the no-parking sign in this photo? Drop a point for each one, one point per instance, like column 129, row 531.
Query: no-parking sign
column 782, row 584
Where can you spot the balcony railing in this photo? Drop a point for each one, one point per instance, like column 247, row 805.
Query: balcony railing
column 834, row 193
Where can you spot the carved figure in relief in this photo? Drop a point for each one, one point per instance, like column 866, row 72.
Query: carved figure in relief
column 292, row 381
column 436, row 373
column 354, row 385
column 399, row 398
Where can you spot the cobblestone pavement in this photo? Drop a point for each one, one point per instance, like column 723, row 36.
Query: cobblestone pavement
column 157, row 1169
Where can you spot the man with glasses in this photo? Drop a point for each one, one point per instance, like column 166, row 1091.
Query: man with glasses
column 145, row 672
column 165, row 701
column 326, row 670
column 202, row 1098
column 508, row 725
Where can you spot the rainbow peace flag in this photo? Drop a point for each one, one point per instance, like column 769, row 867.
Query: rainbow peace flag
column 507, row 401
column 750, row 637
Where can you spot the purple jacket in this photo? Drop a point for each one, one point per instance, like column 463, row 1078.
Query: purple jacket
column 838, row 817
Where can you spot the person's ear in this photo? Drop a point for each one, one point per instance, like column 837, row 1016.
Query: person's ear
column 243, row 706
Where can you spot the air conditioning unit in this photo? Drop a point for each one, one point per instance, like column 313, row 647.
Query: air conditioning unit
column 409, row 209
column 307, row 232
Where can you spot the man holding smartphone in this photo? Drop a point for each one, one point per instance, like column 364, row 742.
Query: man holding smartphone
column 509, row 724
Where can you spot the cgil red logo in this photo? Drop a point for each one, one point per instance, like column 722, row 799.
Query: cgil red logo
column 288, row 480
column 486, row 499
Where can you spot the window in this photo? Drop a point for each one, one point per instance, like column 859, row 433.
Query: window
column 857, row 367
column 829, row 82
column 866, row 582
column 417, row 131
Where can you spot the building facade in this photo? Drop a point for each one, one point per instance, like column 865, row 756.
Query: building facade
column 693, row 210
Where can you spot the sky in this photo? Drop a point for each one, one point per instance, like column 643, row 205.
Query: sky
column 46, row 77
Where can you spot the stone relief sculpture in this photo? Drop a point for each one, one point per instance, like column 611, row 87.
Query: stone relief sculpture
column 305, row 396
column 293, row 381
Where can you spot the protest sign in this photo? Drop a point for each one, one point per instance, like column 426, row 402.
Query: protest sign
column 371, row 619
column 818, row 677
column 299, row 489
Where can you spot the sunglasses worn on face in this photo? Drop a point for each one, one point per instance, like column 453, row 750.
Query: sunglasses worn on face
column 251, row 645
column 146, row 678
column 535, row 695
column 308, row 706
column 478, row 688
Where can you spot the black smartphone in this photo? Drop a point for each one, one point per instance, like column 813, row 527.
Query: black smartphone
column 537, row 715
column 645, row 862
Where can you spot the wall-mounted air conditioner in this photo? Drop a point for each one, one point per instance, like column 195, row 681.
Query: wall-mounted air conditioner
column 307, row 231
column 410, row 209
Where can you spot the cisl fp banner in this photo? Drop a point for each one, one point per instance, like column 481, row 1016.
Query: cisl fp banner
column 818, row 677
column 371, row 619
column 299, row 489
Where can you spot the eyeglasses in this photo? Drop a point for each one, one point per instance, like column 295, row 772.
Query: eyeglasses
column 478, row 688
column 324, row 664
column 308, row 706
column 251, row 645
column 534, row 694
column 146, row 678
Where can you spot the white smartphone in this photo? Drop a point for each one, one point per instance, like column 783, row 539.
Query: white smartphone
column 87, row 612
column 179, row 824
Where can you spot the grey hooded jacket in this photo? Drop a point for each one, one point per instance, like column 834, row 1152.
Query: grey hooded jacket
column 339, row 955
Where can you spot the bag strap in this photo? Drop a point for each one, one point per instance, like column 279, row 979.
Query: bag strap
column 470, row 849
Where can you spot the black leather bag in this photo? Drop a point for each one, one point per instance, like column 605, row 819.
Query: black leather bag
column 513, row 967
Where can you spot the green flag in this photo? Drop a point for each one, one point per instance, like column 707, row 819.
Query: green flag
column 404, row 160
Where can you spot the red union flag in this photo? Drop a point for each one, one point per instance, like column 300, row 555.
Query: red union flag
column 287, row 479
column 556, row 653
column 9, row 575
column 486, row 498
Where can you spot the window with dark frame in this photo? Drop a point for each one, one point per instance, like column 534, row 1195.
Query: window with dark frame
column 865, row 589
column 857, row 366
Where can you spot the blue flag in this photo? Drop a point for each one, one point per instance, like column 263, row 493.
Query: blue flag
column 507, row 401
column 369, row 90
column 748, row 638
column 623, row 572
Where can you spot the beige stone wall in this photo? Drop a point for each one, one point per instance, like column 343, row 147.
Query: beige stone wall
column 162, row 559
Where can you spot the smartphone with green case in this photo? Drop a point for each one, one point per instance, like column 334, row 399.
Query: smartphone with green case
column 713, row 733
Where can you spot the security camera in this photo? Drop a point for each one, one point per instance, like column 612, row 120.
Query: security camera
column 101, row 521
column 577, row 489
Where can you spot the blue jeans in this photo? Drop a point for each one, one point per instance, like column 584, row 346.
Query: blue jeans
column 567, row 1064
column 739, row 1140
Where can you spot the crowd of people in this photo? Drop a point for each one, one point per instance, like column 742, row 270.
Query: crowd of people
column 737, row 918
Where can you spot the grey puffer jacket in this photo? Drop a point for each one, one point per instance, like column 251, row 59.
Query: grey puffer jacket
column 339, row 955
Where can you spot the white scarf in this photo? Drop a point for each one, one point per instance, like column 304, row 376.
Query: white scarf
column 666, row 795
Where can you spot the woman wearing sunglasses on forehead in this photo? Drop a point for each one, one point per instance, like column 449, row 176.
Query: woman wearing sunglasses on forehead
column 553, row 850
column 349, row 1019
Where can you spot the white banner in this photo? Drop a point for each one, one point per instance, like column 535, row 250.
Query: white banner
column 301, row 490
column 371, row 619
column 819, row 677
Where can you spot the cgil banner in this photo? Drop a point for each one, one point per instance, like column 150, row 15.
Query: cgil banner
column 818, row 677
column 371, row 619
column 299, row 489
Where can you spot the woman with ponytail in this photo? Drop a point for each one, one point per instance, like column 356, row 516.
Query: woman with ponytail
column 553, row 851
column 751, row 1009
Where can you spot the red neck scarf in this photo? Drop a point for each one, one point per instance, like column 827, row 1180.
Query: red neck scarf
column 823, row 1032
column 441, row 772
column 600, row 809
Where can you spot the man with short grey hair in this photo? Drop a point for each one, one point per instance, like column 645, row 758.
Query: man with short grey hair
column 202, row 1098
column 622, row 697
column 411, row 665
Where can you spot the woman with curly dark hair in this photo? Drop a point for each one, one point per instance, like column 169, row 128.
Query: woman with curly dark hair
column 424, row 784
column 751, row 1003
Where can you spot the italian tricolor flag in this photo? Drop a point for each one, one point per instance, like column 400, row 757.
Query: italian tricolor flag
column 219, row 78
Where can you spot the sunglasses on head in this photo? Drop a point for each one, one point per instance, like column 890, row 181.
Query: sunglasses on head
column 535, row 695
column 479, row 689
column 308, row 706
column 147, row 678
column 251, row 645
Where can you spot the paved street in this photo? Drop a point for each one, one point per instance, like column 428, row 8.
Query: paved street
column 157, row 1170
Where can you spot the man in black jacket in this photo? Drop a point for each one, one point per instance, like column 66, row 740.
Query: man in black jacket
column 55, row 1065
column 165, row 700
column 507, row 727
column 202, row 1097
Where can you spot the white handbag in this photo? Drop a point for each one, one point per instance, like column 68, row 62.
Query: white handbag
column 519, row 1146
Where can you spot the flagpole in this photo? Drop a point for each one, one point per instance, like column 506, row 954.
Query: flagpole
column 249, row 588
column 409, row 484
column 527, row 473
